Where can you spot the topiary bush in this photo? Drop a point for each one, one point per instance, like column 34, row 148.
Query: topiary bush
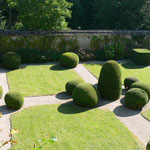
column 142, row 85
column 1, row 92
column 14, row 100
column 85, row 95
column 69, row 60
column 148, row 146
column 110, row 82
column 129, row 81
column 71, row 85
column 136, row 98
column 11, row 61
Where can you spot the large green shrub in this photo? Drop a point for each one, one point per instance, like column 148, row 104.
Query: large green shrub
column 110, row 82
column 142, row 85
column 129, row 81
column 69, row 60
column 1, row 92
column 70, row 85
column 141, row 56
column 85, row 95
column 14, row 100
column 136, row 98
column 11, row 61
column 148, row 146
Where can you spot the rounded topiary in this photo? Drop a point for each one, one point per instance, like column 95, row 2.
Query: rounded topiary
column 148, row 146
column 11, row 60
column 14, row 100
column 110, row 82
column 85, row 95
column 71, row 85
column 136, row 98
column 69, row 60
column 142, row 85
column 1, row 92
column 129, row 81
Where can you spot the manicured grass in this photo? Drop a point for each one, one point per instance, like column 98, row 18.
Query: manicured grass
column 127, row 69
column 146, row 114
column 75, row 129
column 40, row 80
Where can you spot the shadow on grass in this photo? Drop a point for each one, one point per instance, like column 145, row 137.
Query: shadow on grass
column 132, row 66
column 123, row 111
column 4, row 110
column 63, row 96
column 58, row 68
column 71, row 108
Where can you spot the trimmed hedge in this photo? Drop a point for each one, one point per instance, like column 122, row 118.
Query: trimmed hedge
column 136, row 98
column 14, row 100
column 69, row 60
column 142, row 85
column 70, row 85
column 85, row 95
column 148, row 146
column 110, row 82
column 1, row 92
column 11, row 61
column 141, row 56
column 129, row 81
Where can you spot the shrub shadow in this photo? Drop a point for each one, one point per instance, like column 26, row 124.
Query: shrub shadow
column 132, row 66
column 124, row 91
column 63, row 96
column 4, row 110
column 71, row 108
column 103, row 102
column 58, row 68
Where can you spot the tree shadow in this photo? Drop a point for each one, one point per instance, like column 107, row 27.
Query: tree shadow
column 58, row 68
column 132, row 66
column 63, row 96
column 71, row 108
column 4, row 110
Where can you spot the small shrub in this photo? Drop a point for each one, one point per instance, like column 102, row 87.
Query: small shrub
column 148, row 146
column 14, row 100
column 69, row 60
column 11, row 61
column 85, row 95
column 1, row 92
column 129, row 81
column 142, row 85
column 110, row 82
column 71, row 85
column 136, row 98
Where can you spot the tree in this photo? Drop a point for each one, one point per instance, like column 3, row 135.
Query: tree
column 42, row 15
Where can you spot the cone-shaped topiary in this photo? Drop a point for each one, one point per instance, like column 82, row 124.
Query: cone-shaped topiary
column 14, row 100
column 142, row 85
column 1, row 92
column 136, row 98
column 69, row 60
column 70, row 85
column 129, row 81
column 85, row 95
column 148, row 146
column 11, row 61
column 110, row 82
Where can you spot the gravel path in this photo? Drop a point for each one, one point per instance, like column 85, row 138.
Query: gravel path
column 131, row 118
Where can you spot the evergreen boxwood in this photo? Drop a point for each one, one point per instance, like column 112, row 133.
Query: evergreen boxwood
column 142, row 85
column 148, row 146
column 69, row 60
column 11, row 61
column 129, row 81
column 110, row 82
column 14, row 100
column 70, row 85
column 1, row 92
column 136, row 98
column 85, row 95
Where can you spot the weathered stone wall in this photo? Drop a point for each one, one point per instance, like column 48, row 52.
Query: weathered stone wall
column 71, row 40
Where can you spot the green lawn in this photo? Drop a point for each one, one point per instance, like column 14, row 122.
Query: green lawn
column 146, row 114
column 40, row 80
column 74, row 128
column 128, row 69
